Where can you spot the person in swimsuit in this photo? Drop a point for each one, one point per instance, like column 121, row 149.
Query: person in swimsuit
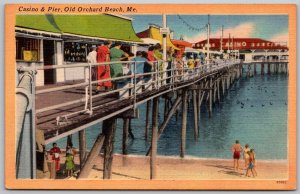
column 251, row 165
column 246, row 155
column 236, row 150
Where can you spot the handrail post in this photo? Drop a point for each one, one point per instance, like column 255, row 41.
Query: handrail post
column 91, row 89
column 134, row 87
column 157, row 74
column 25, row 125
column 86, row 76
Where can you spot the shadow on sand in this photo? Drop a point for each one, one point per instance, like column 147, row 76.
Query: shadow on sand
column 227, row 170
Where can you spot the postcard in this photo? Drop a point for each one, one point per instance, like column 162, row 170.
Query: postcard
column 150, row 96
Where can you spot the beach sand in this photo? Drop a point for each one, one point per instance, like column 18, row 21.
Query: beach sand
column 136, row 167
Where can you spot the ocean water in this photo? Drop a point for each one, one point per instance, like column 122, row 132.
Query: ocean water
column 253, row 111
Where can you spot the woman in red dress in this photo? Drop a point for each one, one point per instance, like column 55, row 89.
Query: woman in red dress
column 55, row 152
column 103, row 70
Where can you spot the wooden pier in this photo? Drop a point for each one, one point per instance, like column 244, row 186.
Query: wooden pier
column 206, row 85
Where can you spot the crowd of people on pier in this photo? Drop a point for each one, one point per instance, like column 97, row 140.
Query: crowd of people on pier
column 145, row 62
column 248, row 155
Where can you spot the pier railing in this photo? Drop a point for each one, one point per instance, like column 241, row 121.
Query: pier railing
column 130, row 84
column 266, row 61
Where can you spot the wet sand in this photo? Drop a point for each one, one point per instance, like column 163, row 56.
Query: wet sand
column 135, row 167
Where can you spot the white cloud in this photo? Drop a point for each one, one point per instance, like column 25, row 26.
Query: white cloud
column 244, row 30
column 282, row 37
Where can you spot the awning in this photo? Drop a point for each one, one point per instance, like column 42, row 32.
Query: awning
column 153, row 32
column 94, row 26
column 150, row 41
column 181, row 43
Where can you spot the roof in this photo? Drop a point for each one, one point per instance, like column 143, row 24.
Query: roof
column 181, row 43
column 241, row 44
column 98, row 26
column 153, row 32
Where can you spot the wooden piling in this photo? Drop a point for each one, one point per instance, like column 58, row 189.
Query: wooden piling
column 130, row 130
column 155, row 110
column 69, row 141
column 269, row 69
column 125, row 136
column 109, row 127
column 223, row 86
column 165, row 108
column 195, row 114
column 166, row 120
column 218, row 88
column 93, row 154
column 262, row 70
column 183, row 123
column 147, row 118
column 210, row 99
column 52, row 170
column 82, row 147
column 254, row 69
column 215, row 91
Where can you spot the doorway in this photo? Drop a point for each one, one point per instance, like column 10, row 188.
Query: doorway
column 49, row 60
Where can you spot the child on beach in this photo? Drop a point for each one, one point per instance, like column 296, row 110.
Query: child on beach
column 251, row 165
column 69, row 163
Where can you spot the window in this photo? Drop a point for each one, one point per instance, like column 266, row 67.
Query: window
column 28, row 49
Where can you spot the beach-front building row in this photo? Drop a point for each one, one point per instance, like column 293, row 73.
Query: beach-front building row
column 48, row 40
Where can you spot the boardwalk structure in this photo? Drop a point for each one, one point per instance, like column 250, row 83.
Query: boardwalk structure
column 58, row 111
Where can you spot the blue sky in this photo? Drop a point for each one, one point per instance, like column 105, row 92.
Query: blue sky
column 269, row 27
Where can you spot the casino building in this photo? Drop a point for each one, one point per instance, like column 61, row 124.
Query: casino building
column 247, row 49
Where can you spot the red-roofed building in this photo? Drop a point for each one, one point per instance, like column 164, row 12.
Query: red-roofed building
column 241, row 44
column 248, row 48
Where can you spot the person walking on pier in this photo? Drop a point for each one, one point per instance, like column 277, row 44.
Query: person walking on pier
column 103, row 55
column 236, row 150
column 55, row 152
column 148, row 65
column 140, row 61
column 92, row 58
column 116, row 54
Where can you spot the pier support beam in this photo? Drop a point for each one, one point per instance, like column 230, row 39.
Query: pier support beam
column 210, row 99
column 183, row 123
column 269, row 69
column 262, row 70
column 195, row 114
column 109, row 128
column 218, row 88
column 147, row 118
column 88, row 165
column 155, row 109
column 82, row 147
column 125, row 136
column 223, row 86
column 254, row 69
